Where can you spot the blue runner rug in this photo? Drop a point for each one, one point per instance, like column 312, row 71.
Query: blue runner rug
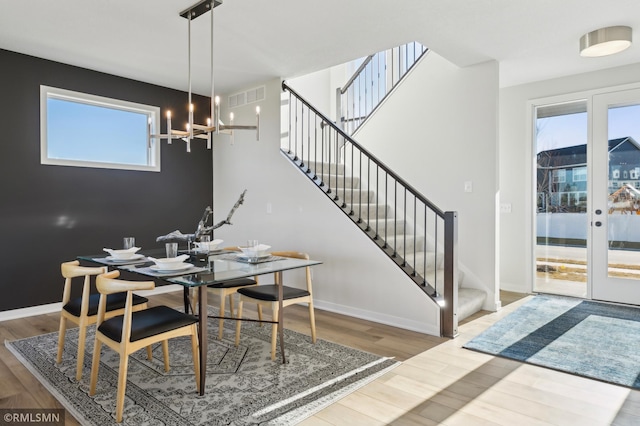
column 592, row 339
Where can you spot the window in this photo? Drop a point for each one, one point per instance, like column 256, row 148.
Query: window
column 559, row 176
column 580, row 174
column 84, row 130
column 616, row 174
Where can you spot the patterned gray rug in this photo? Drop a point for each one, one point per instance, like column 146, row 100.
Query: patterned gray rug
column 596, row 340
column 243, row 385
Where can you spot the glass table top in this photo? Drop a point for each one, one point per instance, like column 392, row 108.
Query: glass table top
column 212, row 268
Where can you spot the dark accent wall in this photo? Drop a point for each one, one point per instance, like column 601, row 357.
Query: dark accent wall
column 51, row 214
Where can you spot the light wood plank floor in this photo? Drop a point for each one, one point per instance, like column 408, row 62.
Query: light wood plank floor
column 437, row 383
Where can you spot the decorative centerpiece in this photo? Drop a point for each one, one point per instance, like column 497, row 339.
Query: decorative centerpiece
column 202, row 229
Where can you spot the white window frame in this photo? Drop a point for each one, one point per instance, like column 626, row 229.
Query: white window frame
column 580, row 174
column 152, row 112
column 559, row 176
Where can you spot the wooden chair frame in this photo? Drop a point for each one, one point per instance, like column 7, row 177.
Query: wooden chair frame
column 108, row 284
column 223, row 294
column 69, row 271
column 285, row 302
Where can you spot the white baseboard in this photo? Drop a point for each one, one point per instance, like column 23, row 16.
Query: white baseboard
column 417, row 326
column 56, row 307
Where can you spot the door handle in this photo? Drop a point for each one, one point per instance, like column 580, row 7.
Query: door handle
column 598, row 223
column 598, row 211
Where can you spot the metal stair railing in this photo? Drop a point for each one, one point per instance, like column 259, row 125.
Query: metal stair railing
column 417, row 235
column 372, row 82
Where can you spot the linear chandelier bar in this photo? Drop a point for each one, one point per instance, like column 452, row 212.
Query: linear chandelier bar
column 200, row 8
column 214, row 124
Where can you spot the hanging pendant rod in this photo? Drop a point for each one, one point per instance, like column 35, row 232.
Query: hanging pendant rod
column 214, row 124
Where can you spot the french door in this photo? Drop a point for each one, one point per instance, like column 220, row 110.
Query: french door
column 615, row 207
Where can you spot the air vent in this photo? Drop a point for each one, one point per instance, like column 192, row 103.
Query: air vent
column 247, row 97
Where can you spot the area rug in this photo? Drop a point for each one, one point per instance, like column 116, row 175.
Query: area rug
column 592, row 339
column 244, row 386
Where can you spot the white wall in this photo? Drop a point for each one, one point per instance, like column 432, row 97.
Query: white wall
column 438, row 131
column 356, row 278
column 516, row 185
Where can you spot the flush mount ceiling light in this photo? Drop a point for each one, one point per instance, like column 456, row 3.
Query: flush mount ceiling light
column 214, row 125
column 605, row 41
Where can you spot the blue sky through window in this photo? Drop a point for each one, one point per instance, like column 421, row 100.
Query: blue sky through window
column 85, row 132
column 561, row 131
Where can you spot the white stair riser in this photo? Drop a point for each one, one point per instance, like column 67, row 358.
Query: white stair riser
column 373, row 210
column 390, row 227
column 326, row 168
column 355, row 196
column 401, row 241
column 340, row 182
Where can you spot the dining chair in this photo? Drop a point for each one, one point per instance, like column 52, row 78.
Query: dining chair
column 226, row 290
column 132, row 331
column 83, row 310
column 267, row 295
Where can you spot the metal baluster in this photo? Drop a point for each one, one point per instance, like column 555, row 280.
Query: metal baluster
column 352, row 177
column 395, row 216
column 435, row 257
column 368, row 188
column 415, row 240
column 404, row 224
column 302, row 137
column 386, row 203
column 376, row 205
column 329, row 159
column 322, row 155
column 289, row 135
column 424, row 248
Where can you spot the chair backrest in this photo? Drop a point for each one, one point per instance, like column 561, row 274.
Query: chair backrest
column 108, row 284
column 297, row 255
column 72, row 270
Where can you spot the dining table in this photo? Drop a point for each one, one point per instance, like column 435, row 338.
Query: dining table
column 205, row 269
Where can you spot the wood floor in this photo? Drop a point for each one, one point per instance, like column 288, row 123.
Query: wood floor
column 438, row 382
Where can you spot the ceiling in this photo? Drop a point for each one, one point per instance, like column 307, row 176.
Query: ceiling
column 258, row 40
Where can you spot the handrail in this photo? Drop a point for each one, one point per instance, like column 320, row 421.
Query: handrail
column 356, row 74
column 372, row 82
column 417, row 235
column 383, row 166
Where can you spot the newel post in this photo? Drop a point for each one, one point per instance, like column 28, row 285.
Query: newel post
column 449, row 312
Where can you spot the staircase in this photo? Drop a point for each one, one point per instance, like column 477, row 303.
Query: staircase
column 398, row 233
column 420, row 238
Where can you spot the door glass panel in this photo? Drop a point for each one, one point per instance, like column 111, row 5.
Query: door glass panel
column 561, row 199
column 623, row 236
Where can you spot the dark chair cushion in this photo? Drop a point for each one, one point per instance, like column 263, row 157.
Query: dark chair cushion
column 240, row 282
column 146, row 323
column 270, row 292
column 114, row 301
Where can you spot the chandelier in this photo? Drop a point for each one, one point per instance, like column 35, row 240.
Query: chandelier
column 214, row 124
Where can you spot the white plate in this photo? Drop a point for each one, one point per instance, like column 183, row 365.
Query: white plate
column 172, row 268
column 245, row 257
column 133, row 257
